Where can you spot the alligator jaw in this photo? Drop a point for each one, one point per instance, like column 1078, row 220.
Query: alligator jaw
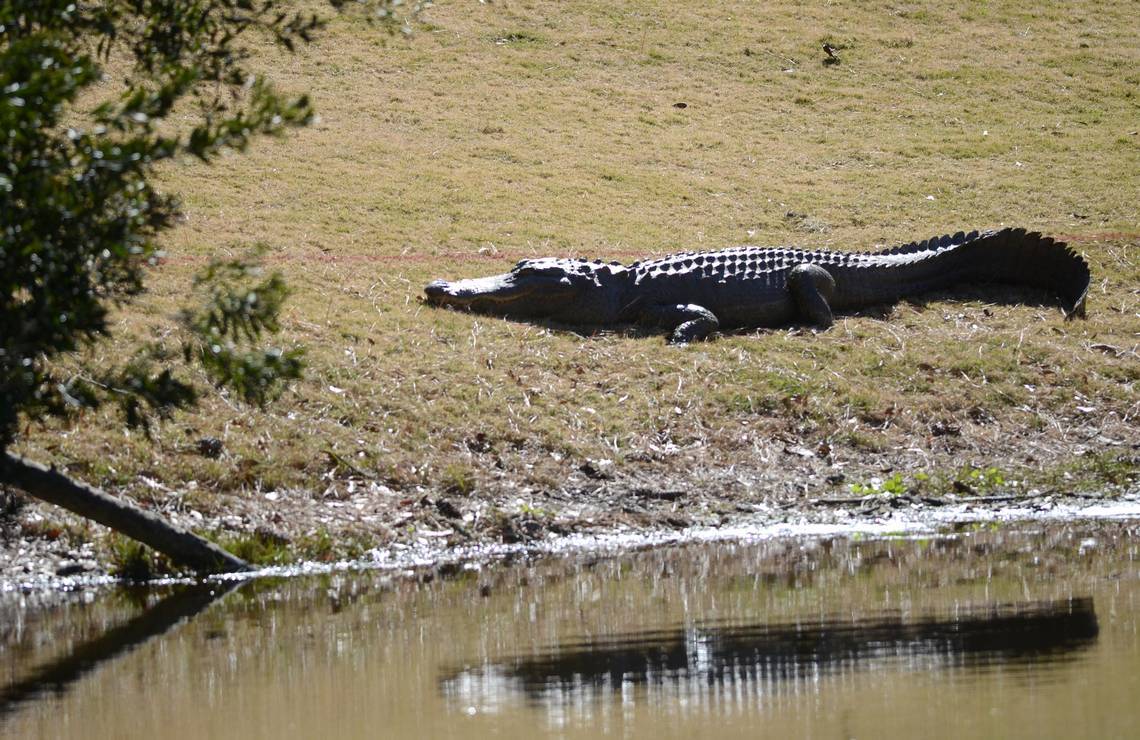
column 466, row 293
column 497, row 293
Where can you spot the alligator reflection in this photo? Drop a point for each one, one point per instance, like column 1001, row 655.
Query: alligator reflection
column 698, row 662
column 58, row 675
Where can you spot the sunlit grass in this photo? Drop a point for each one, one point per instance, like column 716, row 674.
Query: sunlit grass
column 552, row 128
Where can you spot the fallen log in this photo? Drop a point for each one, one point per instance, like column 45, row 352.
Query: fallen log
column 180, row 545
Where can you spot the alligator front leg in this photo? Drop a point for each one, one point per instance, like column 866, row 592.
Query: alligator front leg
column 812, row 289
column 689, row 321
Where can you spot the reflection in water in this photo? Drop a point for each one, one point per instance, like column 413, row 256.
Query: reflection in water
column 720, row 663
column 61, row 673
column 847, row 638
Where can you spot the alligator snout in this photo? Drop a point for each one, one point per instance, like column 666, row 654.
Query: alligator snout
column 472, row 292
column 436, row 290
column 459, row 292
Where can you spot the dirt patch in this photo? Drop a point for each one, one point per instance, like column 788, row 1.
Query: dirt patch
column 779, row 480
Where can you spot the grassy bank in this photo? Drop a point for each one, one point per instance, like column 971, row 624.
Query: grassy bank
column 621, row 130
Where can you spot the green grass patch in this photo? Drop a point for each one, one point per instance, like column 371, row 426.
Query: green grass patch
column 134, row 561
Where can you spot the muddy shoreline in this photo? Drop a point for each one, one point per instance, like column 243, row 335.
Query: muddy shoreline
column 992, row 472
column 41, row 564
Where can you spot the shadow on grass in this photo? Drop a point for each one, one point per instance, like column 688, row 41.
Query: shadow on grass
column 996, row 294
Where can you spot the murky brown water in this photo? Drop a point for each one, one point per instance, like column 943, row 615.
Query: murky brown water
column 985, row 634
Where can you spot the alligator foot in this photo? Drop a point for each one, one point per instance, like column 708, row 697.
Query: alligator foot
column 690, row 321
column 812, row 288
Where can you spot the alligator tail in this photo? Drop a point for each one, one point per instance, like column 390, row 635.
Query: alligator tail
column 1028, row 258
column 1012, row 256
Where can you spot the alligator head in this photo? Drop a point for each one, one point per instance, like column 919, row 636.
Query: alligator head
column 571, row 290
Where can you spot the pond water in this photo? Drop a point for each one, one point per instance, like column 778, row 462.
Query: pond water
column 972, row 634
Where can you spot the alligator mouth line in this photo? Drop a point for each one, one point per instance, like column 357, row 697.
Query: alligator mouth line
column 497, row 289
column 499, row 293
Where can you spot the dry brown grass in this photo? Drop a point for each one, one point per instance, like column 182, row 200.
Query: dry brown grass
column 553, row 128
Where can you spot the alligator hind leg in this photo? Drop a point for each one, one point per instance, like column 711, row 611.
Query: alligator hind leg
column 690, row 322
column 812, row 288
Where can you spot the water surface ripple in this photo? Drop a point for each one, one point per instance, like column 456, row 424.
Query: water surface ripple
column 983, row 632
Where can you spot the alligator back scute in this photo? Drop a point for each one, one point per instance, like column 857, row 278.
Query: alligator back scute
column 931, row 245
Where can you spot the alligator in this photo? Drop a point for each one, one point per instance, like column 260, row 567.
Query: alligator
column 693, row 294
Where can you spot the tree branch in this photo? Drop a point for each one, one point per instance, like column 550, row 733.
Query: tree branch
column 180, row 545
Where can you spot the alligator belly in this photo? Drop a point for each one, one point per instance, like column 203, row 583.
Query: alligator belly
column 766, row 313
column 736, row 302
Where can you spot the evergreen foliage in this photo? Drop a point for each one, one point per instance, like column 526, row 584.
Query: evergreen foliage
column 80, row 218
